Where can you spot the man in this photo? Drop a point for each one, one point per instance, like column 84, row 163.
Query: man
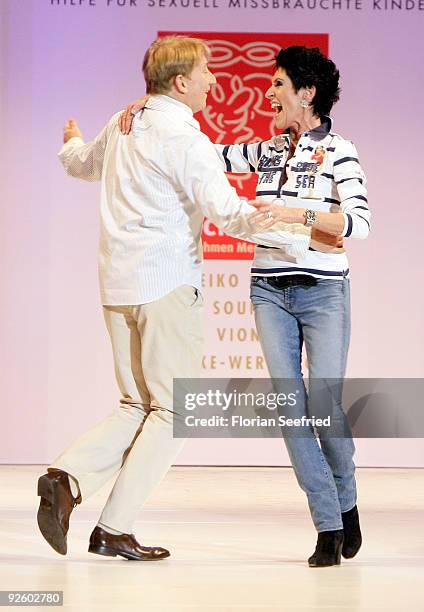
column 157, row 186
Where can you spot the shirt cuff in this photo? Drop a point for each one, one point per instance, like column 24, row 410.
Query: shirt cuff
column 348, row 225
column 75, row 140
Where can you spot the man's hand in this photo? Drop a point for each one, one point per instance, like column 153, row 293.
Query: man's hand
column 71, row 130
column 126, row 118
column 326, row 243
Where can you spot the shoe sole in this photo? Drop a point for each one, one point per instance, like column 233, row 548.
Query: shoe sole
column 337, row 561
column 111, row 552
column 327, row 565
column 47, row 522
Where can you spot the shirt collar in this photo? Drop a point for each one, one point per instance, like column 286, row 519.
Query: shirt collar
column 318, row 133
column 172, row 107
column 321, row 131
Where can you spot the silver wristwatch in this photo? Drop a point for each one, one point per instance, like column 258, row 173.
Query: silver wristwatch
column 310, row 217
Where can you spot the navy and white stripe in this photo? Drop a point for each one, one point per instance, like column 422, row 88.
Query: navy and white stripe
column 240, row 158
column 341, row 184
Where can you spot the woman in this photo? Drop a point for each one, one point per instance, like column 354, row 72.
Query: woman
column 297, row 303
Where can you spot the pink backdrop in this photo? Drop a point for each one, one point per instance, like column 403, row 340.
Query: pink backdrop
column 59, row 60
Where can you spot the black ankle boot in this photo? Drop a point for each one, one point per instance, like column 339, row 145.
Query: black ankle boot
column 352, row 533
column 328, row 549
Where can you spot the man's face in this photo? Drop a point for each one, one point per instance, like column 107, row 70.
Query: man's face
column 284, row 100
column 198, row 85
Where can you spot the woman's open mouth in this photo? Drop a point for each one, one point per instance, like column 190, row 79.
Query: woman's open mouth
column 276, row 106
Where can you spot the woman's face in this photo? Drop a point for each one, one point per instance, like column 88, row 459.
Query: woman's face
column 285, row 101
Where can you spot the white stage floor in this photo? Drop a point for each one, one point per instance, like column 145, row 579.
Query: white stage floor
column 239, row 540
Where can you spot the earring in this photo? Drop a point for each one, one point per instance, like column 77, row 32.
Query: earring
column 304, row 104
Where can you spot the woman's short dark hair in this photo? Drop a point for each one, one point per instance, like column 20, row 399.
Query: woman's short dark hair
column 307, row 67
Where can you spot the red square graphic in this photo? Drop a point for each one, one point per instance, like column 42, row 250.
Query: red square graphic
column 237, row 110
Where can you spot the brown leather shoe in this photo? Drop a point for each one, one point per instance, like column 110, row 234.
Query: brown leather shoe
column 56, row 505
column 125, row 545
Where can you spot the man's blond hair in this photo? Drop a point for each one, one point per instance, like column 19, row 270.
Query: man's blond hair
column 169, row 56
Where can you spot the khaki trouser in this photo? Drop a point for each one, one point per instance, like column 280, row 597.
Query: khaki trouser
column 152, row 344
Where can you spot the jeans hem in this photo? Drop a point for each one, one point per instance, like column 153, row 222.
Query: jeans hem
column 330, row 528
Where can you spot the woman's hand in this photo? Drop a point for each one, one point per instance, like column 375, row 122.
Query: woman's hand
column 127, row 117
column 267, row 215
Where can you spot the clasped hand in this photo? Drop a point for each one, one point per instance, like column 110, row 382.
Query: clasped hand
column 267, row 214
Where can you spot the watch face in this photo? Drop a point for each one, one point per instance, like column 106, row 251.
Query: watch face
column 310, row 217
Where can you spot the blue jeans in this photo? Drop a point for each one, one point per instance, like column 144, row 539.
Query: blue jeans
column 318, row 317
